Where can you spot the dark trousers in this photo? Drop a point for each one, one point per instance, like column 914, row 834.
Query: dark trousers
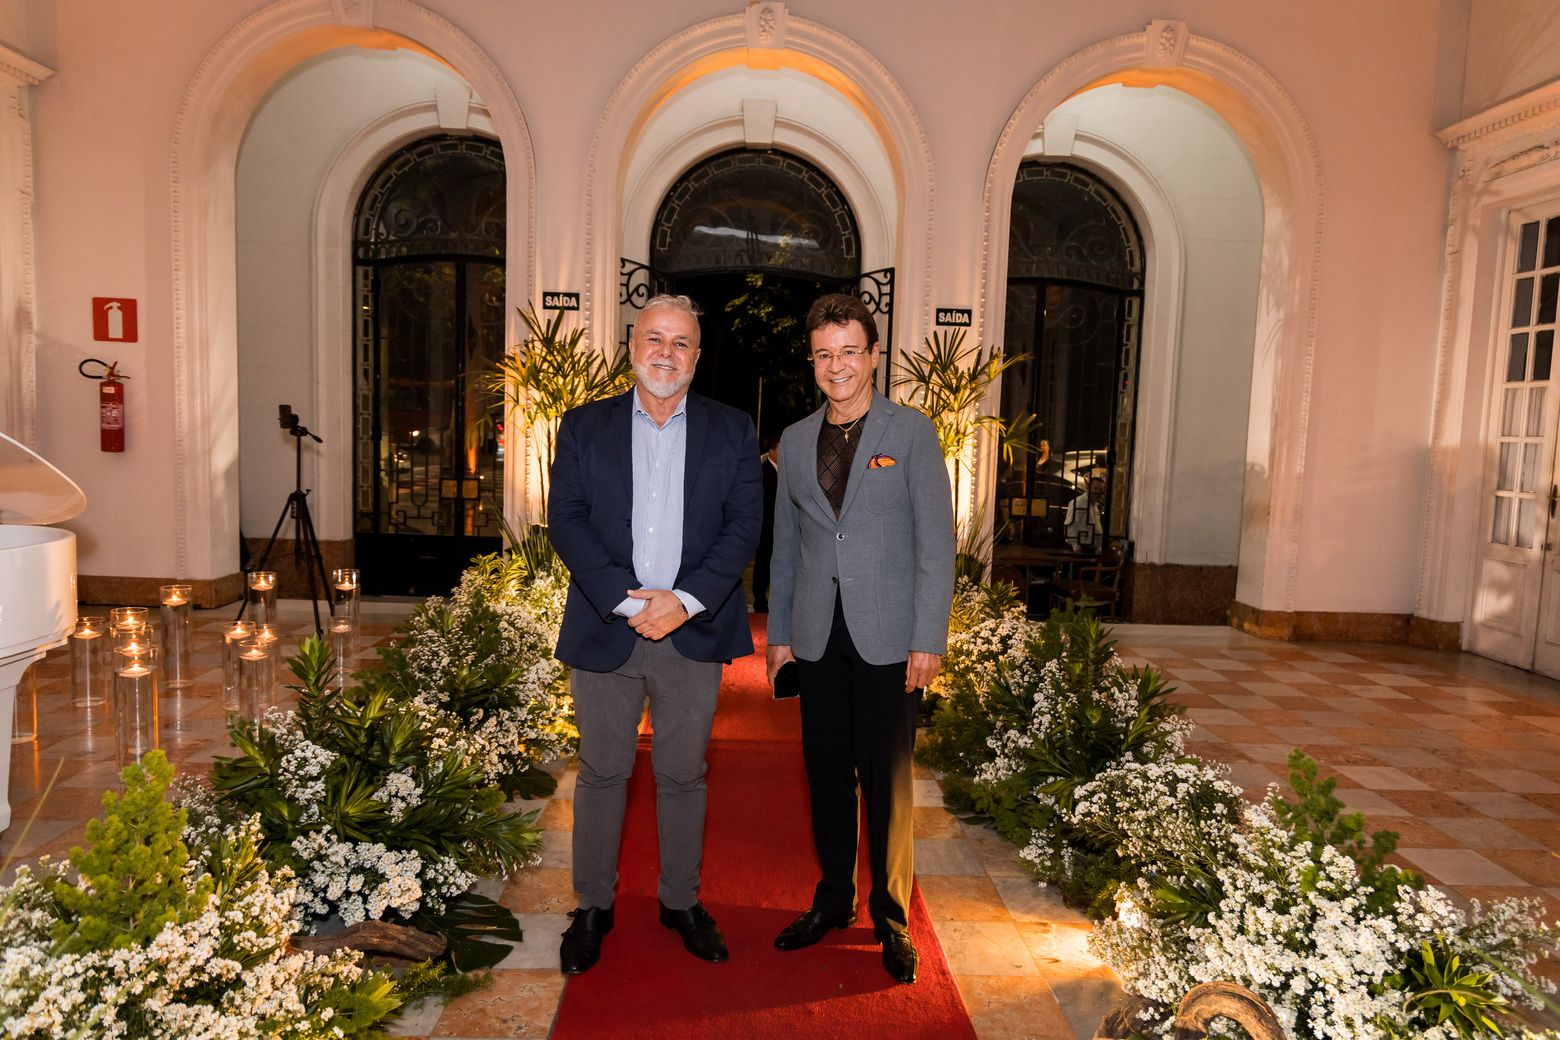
column 858, row 726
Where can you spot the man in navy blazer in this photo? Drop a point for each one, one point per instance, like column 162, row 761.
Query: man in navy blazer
column 655, row 509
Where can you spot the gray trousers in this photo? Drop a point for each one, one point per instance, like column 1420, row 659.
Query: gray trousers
column 607, row 709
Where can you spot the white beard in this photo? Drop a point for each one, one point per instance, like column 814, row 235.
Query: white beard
column 659, row 383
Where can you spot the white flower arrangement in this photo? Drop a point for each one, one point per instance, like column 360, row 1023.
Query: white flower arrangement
column 1296, row 927
column 482, row 670
column 223, row 972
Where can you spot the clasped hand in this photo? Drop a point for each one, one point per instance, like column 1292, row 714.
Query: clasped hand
column 663, row 613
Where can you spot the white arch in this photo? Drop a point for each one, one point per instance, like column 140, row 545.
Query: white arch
column 810, row 48
column 213, row 115
column 1288, row 168
column 334, row 298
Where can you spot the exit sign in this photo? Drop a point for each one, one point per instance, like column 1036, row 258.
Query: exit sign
column 560, row 301
column 959, row 316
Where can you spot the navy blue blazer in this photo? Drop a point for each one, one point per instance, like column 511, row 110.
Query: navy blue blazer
column 590, row 518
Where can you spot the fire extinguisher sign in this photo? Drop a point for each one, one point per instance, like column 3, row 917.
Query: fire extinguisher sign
column 113, row 320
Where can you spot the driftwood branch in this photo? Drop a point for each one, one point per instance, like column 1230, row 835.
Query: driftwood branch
column 1218, row 999
column 1198, row 1009
column 374, row 937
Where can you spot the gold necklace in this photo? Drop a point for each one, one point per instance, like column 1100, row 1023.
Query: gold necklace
column 845, row 429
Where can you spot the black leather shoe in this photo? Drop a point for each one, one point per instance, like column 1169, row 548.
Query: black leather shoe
column 582, row 942
column 899, row 957
column 700, row 934
column 810, row 927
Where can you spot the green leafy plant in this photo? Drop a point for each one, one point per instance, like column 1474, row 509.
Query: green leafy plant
column 133, row 878
column 1317, row 817
column 159, row 939
column 550, row 372
column 1436, row 985
column 950, row 383
column 373, row 809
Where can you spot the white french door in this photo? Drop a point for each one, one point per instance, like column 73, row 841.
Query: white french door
column 1516, row 609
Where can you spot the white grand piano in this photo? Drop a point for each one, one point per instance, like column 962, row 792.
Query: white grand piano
column 37, row 577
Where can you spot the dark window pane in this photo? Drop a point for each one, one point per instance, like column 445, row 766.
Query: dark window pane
column 440, row 196
column 1522, row 304
column 1516, row 365
column 1527, row 253
column 1548, row 294
column 747, row 210
column 1543, row 352
column 1068, row 225
column 1552, row 242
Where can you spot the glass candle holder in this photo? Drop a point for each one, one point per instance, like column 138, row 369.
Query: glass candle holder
column 135, row 703
column 343, row 648
column 119, row 615
column 262, row 597
column 272, row 637
column 234, row 634
column 90, row 675
column 255, row 679
column 348, row 608
column 132, row 635
column 24, row 715
column 177, row 673
column 348, row 592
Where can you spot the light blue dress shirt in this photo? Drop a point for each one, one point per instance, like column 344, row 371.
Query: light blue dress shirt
column 660, row 456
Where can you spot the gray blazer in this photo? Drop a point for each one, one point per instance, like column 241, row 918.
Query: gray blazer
column 890, row 554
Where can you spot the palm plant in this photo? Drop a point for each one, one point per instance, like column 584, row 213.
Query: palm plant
column 949, row 382
column 550, row 372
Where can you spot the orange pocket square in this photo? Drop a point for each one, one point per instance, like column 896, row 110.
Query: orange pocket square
column 879, row 461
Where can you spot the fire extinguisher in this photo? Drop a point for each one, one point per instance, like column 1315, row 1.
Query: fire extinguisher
column 111, row 404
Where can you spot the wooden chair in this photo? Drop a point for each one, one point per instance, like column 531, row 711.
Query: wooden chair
column 1097, row 584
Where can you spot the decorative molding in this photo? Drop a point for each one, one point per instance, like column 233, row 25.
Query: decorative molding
column 18, row 68
column 1289, row 168
column 724, row 39
column 355, row 13
column 1525, row 108
column 1164, row 43
column 767, row 23
column 215, row 108
column 1526, row 159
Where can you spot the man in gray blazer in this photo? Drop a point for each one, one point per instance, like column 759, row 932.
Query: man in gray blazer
column 862, row 582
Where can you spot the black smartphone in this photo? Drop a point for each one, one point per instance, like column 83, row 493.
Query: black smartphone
column 788, row 682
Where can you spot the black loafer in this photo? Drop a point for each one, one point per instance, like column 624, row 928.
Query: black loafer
column 810, row 927
column 700, row 934
column 899, row 957
column 582, row 942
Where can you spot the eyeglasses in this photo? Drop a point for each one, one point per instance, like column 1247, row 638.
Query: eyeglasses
column 823, row 357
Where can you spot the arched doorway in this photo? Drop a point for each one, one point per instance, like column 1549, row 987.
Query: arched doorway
column 754, row 238
column 1074, row 312
column 429, row 278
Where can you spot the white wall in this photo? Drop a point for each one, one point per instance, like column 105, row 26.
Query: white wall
column 1513, row 46
column 292, row 140
column 1202, row 168
column 1363, row 79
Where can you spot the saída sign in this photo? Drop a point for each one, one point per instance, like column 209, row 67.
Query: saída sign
column 560, row 301
column 958, row 316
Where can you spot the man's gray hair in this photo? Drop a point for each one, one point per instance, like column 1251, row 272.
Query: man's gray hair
column 676, row 303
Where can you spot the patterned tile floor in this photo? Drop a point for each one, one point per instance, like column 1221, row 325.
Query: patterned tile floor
column 1458, row 754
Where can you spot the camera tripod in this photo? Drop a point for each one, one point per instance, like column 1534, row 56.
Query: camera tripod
column 297, row 507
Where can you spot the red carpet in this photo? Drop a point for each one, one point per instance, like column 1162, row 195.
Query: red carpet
column 759, row 872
